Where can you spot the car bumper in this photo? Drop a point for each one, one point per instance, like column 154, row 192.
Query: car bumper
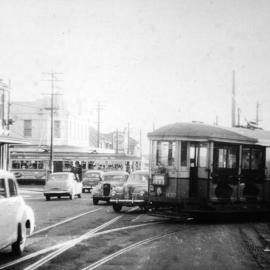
column 102, row 198
column 57, row 193
column 128, row 202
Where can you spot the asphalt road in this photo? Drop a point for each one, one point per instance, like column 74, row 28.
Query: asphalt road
column 75, row 234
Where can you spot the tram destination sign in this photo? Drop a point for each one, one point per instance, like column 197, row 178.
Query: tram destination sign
column 160, row 179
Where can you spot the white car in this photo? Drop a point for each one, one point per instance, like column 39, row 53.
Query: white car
column 62, row 184
column 17, row 219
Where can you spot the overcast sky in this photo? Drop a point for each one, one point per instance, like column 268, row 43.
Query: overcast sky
column 149, row 62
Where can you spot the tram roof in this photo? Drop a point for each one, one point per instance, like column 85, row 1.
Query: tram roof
column 262, row 136
column 199, row 131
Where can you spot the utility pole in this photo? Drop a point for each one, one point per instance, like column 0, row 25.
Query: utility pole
column 52, row 80
column 233, row 98
column 238, row 117
column 98, row 125
column 257, row 113
column 9, row 104
column 140, row 143
column 128, row 140
column 117, row 142
column 216, row 122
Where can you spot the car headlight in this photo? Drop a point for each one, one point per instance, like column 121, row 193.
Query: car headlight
column 142, row 193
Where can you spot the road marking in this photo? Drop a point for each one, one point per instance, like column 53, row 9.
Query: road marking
column 69, row 245
column 63, row 221
column 48, row 249
column 124, row 250
column 136, row 218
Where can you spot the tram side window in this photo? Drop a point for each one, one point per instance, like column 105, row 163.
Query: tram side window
column 203, row 155
column 40, row 165
column 252, row 158
column 183, row 154
column 165, row 153
column 67, row 165
column 225, row 157
column 16, row 164
column 83, row 164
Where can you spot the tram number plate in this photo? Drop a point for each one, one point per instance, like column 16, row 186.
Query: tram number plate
column 170, row 194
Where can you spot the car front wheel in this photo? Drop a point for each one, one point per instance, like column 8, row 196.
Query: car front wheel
column 95, row 201
column 18, row 246
column 47, row 198
column 117, row 208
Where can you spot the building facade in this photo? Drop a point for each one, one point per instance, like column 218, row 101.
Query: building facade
column 32, row 121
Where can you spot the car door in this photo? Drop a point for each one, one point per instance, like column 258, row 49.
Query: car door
column 5, row 216
column 15, row 208
column 9, row 211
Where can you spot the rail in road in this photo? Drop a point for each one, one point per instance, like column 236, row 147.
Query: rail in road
column 52, row 252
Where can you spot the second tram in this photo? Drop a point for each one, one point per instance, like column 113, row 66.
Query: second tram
column 31, row 164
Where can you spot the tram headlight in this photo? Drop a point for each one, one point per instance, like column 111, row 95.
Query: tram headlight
column 159, row 191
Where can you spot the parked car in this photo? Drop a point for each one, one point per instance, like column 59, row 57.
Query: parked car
column 62, row 184
column 17, row 219
column 90, row 179
column 110, row 180
column 133, row 192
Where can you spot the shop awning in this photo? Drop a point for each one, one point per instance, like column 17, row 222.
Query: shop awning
column 13, row 140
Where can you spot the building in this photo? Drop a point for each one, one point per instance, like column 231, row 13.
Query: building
column 120, row 143
column 32, row 121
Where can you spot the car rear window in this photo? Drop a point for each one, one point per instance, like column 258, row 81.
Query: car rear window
column 60, row 177
column 3, row 192
column 92, row 175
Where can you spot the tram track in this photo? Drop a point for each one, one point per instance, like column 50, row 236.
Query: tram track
column 58, row 249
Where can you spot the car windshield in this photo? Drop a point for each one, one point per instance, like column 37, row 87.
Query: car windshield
column 115, row 177
column 60, row 177
column 139, row 178
column 91, row 175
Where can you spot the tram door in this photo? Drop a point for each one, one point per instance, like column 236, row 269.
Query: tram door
column 193, row 183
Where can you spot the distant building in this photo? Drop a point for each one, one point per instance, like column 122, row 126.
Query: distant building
column 119, row 142
column 32, row 121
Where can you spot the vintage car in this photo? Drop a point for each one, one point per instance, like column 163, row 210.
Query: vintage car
column 17, row 219
column 133, row 193
column 62, row 184
column 102, row 192
column 90, row 179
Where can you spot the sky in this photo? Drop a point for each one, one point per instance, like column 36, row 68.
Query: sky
column 148, row 62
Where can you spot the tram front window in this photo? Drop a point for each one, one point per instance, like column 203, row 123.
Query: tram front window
column 164, row 153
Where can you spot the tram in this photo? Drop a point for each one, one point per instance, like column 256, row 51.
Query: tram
column 31, row 163
column 198, row 168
